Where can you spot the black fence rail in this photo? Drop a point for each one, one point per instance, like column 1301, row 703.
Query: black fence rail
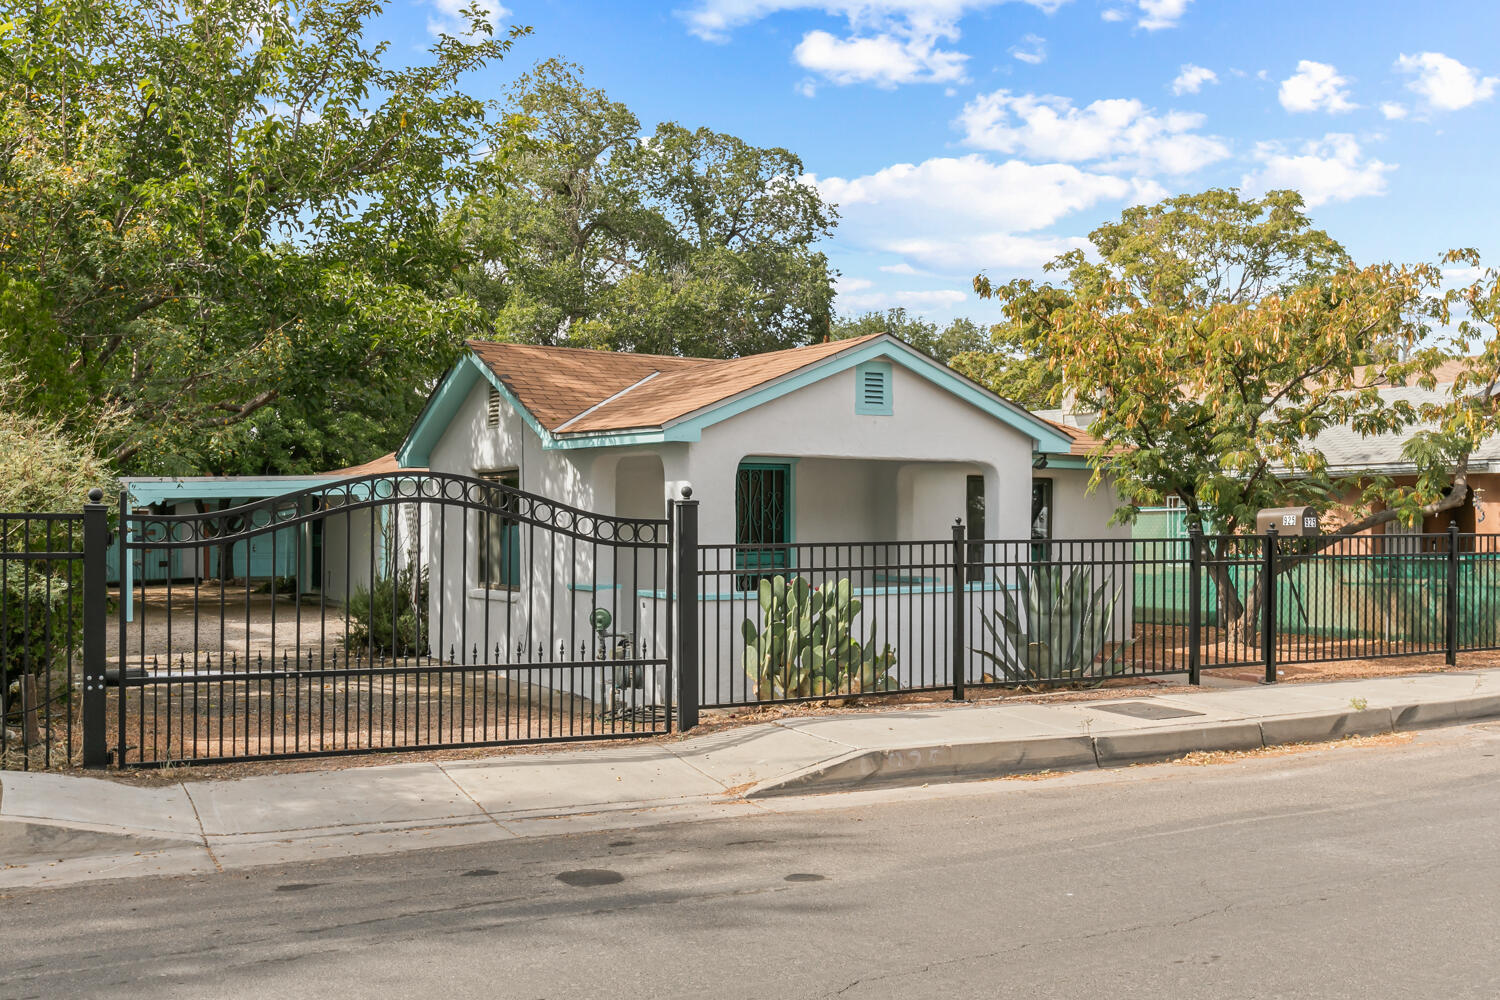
column 41, row 622
column 403, row 612
column 806, row 621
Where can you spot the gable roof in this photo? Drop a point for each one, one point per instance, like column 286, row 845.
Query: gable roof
column 574, row 397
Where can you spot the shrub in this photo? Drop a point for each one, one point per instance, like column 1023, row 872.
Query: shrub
column 1058, row 629
column 34, row 621
column 391, row 619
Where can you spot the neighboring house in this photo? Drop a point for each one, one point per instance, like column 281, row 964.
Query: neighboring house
column 1365, row 457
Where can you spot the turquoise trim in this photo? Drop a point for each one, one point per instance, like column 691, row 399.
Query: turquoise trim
column 445, row 402
column 591, row 588
column 750, row 595
column 872, row 395
column 1044, row 436
column 1066, row 462
column 141, row 493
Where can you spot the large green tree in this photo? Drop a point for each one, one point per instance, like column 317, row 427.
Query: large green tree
column 223, row 218
column 680, row 241
column 959, row 336
column 1218, row 337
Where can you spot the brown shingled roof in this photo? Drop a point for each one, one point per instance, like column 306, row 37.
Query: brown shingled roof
column 384, row 465
column 574, row 390
column 1083, row 443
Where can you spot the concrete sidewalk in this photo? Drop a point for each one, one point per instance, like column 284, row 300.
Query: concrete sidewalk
column 62, row 828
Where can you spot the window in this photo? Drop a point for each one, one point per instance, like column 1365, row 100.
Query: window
column 762, row 518
column 492, row 415
column 1041, row 515
column 872, row 388
column 499, row 533
column 974, row 516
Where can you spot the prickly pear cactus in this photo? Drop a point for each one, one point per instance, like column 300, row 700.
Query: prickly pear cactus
column 806, row 646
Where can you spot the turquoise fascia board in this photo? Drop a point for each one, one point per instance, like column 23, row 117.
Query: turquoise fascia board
column 1066, row 462
column 196, row 488
column 1045, row 437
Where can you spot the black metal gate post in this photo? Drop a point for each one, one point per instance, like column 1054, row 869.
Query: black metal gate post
column 95, row 598
column 960, row 606
column 1451, row 632
column 686, row 558
column 1195, row 604
column 1268, row 606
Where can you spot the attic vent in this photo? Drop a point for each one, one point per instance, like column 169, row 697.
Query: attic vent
column 492, row 417
column 872, row 389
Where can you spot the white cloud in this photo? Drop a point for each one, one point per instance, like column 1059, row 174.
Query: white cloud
column 1324, row 170
column 1192, row 78
column 884, row 60
column 1031, row 49
column 938, row 298
column 954, row 215
column 447, row 17
column 1154, row 14
column 1393, row 110
column 889, row 42
column 1157, row 14
column 1119, row 134
column 1445, row 83
column 901, row 268
column 807, row 88
column 714, row 20
column 1315, row 87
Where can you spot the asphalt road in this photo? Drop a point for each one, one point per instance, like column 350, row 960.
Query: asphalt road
column 1354, row 872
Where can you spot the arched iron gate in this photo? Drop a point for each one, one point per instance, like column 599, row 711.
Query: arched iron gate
column 389, row 612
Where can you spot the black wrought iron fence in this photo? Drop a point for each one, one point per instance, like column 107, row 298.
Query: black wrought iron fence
column 402, row 612
column 41, row 621
column 805, row 621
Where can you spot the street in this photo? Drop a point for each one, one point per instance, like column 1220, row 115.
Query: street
column 1360, row 871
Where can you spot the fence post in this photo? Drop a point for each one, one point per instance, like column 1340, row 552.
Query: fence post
column 1268, row 606
column 960, row 638
column 1451, row 635
column 686, row 557
column 1195, row 604
column 95, row 598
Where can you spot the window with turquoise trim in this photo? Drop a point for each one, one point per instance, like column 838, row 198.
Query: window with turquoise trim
column 499, row 534
column 872, row 388
column 762, row 518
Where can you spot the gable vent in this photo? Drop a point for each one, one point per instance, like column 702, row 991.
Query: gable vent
column 872, row 389
column 492, row 416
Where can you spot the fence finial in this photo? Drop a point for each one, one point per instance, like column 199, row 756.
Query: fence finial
column 96, row 495
column 687, row 492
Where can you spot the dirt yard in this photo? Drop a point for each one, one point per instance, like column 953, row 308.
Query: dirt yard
column 210, row 623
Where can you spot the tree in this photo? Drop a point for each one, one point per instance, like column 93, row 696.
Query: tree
column 687, row 242
column 959, row 336
column 1218, row 337
column 225, row 215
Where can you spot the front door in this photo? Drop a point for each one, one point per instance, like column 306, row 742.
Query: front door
column 762, row 519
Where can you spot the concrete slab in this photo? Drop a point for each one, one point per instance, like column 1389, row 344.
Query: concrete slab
column 550, row 785
column 738, row 757
column 400, row 793
column 98, row 802
column 1162, row 743
column 949, row 762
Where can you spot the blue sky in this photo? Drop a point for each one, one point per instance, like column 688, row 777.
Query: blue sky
column 963, row 135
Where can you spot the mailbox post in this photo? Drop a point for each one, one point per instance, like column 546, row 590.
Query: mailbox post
column 1289, row 522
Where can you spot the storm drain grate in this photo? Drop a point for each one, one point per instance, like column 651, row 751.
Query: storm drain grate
column 1146, row 710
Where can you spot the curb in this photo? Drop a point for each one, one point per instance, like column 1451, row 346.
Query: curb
column 976, row 761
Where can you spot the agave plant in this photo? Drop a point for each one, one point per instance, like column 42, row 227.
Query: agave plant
column 806, row 647
column 1055, row 627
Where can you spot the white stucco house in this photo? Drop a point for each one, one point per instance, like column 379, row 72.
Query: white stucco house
column 864, row 440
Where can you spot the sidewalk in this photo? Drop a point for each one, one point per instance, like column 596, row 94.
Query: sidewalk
column 63, row 828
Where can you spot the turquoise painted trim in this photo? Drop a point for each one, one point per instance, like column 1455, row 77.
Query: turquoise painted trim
column 445, row 402
column 177, row 490
column 749, row 595
column 862, row 405
column 1066, row 462
column 1044, row 436
column 593, row 587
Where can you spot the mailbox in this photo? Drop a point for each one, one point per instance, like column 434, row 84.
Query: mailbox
column 1296, row 521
